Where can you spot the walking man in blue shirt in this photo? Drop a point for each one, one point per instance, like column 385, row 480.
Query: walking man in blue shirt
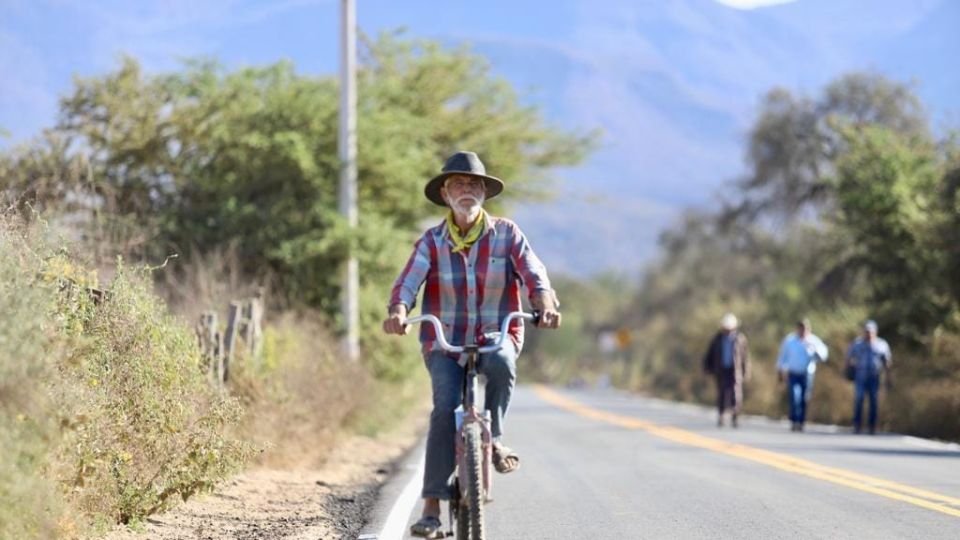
column 869, row 355
column 797, row 351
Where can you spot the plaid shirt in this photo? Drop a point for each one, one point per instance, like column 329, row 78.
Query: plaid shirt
column 471, row 292
column 869, row 357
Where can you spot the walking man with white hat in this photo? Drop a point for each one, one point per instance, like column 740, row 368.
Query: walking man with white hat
column 728, row 359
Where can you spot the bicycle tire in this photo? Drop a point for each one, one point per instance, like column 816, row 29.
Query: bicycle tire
column 473, row 446
column 463, row 522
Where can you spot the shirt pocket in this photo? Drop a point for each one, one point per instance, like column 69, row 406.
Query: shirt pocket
column 498, row 271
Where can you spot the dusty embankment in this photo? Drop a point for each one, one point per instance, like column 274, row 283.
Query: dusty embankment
column 330, row 501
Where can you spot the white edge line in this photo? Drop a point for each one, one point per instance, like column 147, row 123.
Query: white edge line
column 927, row 443
column 396, row 523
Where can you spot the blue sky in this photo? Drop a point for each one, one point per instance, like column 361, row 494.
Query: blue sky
column 673, row 84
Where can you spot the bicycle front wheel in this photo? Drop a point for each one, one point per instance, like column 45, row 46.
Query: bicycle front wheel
column 463, row 521
column 473, row 446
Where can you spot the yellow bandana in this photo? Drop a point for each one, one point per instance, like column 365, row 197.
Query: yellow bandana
column 462, row 243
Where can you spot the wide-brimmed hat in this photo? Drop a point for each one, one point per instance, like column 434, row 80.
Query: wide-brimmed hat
column 467, row 163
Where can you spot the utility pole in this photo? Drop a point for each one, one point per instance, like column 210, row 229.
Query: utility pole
column 347, row 151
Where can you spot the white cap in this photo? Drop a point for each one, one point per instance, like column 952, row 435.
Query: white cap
column 728, row 322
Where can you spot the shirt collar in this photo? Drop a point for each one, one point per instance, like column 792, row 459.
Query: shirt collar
column 440, row 231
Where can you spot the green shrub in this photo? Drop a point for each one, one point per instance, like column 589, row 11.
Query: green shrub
column 105, row 415
column 30, row 344
column 147, row 428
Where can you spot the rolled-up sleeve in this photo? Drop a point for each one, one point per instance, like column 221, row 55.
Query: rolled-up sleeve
column 820, row 348
column 528, row 266
column 408, row 283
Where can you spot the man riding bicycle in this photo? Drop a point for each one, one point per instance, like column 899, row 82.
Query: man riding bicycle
column 474, row 265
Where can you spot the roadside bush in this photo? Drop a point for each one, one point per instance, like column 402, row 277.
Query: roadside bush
column 105, row 415
column 147, row 428
column 925, row 399
column 30, row 344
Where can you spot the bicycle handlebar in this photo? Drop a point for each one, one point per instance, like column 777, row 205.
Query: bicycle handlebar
column 445, row 345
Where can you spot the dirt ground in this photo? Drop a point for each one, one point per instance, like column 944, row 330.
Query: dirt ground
column 329, row 502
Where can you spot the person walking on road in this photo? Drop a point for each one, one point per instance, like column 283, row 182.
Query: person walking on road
column 473, row 265
column 728, row 360
column 797, row 351
column 868, row 356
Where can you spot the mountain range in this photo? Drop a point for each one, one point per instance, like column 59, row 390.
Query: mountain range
column 675, row 89
column 672, row 84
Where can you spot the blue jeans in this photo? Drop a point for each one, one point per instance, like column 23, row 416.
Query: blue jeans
column 446, row 377
column 867, row 386
column 797, row 394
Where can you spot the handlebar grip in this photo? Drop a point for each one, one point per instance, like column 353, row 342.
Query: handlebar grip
column 536, row 317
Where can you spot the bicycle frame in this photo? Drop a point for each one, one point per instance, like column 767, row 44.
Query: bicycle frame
column 470, row 414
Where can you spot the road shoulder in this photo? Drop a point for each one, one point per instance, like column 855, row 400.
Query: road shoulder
column 333, row 500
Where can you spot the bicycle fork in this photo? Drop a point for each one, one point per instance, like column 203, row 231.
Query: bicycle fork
column 470, row 414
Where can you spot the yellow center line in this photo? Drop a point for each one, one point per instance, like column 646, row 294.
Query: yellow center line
column 877, row 486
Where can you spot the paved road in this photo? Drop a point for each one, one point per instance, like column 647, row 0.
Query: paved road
column 610, row 465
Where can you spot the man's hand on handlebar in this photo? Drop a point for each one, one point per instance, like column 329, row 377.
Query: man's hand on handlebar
column 396, row 321
column 546, row 302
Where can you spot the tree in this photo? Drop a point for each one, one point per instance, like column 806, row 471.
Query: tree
column 248, row 158
column 949, row 235
column 796, row 140
column 888, row 197
column 43, row 176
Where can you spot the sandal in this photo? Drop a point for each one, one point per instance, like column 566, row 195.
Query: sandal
column 426, row 527
column 505, row 460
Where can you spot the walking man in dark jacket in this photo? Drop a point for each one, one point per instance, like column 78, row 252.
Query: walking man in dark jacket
column 728, row 359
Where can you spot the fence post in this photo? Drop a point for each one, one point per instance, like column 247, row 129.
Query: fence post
column 256, row 325
column 230, row 338
column 208, row 337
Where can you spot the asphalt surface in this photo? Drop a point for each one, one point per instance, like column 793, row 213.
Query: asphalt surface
column 604, row 464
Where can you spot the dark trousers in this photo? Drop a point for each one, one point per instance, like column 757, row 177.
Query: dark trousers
column 729, row 393
column 797, row 394
column 868, row 387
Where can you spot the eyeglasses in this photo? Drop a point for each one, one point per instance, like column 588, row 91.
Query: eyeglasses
column 462, row 184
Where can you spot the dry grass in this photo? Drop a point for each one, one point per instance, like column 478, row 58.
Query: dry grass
column 203, row 282
column 299, row 394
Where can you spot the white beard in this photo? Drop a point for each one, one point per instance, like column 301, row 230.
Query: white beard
column 469, row 212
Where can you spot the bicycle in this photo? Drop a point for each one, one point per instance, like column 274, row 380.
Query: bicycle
column 472, row 478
